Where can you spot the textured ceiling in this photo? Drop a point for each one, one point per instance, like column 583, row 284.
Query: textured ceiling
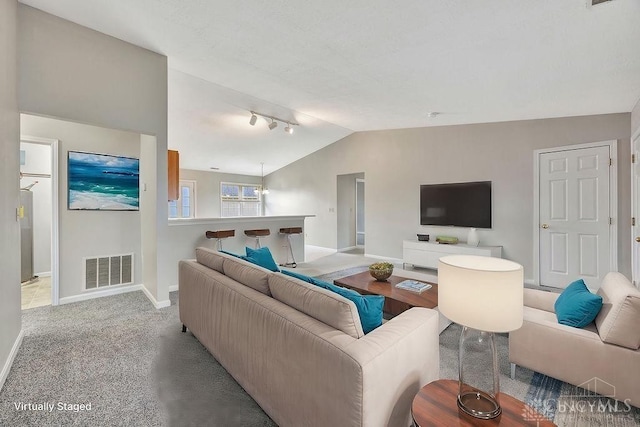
column 341, row 66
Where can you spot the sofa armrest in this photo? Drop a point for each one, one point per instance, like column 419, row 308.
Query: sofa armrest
column 542, row 300
column 397, row 359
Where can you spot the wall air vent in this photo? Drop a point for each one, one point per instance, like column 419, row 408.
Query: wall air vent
column 109, row 270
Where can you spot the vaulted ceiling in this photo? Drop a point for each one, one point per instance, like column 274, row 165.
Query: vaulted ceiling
column 341, row 66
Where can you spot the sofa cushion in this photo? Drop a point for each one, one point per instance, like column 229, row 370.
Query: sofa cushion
column 261, row 257
column 369, row 306
column 577, row 306
column 619, row 318
column 323, row 305
column 247, row 273
column 210, row 258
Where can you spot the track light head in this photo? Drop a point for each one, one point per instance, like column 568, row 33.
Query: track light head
column 288, row 129
column 253, row 119
column 273, row 124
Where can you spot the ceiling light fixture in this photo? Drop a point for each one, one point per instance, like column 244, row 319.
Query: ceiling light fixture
column 274, row 122
column 264, row 190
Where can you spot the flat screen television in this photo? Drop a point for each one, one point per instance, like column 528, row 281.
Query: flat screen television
column 463, row 204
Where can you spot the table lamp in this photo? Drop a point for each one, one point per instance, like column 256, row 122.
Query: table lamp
column 484, row 295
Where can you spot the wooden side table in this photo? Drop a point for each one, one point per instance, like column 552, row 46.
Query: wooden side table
column 436, row 405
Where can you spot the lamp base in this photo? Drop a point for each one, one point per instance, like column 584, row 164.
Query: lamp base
column 479, row 404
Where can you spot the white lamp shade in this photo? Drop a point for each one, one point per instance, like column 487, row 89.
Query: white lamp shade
column 482, row 293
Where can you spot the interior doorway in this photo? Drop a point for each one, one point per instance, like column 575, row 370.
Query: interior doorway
column 350, row 212
column 360, row 213
column 38, row 221
column 635, row 209
column 575, row 204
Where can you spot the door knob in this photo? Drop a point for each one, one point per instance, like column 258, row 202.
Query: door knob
column 638, row 239
column 545, row 226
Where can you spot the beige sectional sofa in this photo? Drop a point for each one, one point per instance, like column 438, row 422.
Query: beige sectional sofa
column 299, row 350
column 605, row 354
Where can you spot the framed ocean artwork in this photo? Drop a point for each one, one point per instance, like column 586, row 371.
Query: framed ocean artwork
column 103, row 182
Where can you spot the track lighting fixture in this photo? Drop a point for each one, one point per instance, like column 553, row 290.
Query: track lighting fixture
column 274, row 122
column 263, row 189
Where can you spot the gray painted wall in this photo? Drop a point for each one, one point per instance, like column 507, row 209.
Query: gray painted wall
column 88, row 233
column 10, row 317
column 396, row 162
column 208, row 189
column 73, row 73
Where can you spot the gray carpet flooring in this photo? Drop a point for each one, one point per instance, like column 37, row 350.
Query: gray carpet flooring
column 135, row 367
column 128, row 360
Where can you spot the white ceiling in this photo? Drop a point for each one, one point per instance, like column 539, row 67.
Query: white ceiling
column 339, row 66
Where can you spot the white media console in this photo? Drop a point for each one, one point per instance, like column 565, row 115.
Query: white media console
column 427, row 254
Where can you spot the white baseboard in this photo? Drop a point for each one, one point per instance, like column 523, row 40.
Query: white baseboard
column 157, row 304
column 116, row 291
column 173, row 288
column 392, row 260
column 101, row 293
column 12, row 355
column 529, row 282
column 347, row 249
column 44, row 274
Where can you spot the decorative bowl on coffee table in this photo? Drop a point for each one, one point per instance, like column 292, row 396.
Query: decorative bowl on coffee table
column 381, row 271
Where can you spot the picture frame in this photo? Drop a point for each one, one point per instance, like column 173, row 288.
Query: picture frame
column 102, row 182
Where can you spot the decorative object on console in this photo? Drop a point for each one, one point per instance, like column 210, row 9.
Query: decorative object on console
column 447, row 240
column 423, row 237
column 472, row 237
column 381, row 271
column 470, row 288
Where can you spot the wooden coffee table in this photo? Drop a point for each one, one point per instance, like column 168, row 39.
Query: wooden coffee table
column 436, row 405
column 396, row 300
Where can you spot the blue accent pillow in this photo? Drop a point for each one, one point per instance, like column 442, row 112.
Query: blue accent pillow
column 231, row 253
column 261, row 257
column 369, row 306
column 577, row 306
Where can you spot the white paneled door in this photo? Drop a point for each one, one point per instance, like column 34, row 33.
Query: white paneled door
column 574, row 214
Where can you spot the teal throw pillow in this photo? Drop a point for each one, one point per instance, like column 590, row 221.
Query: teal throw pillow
column 577, row 306
column 261, row 257
column 297, row 276
column 231, row 253
column 369, row 306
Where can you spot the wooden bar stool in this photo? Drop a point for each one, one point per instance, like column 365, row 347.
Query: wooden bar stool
column 257, row 234
column 289, row 231
column 220, row 235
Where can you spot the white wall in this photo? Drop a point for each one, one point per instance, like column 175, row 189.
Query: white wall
column 635, row 119
column 208, row 189
column 10, row 317
column 38, row 160
column 73, row 73
column 88, row 233
column 396, row 162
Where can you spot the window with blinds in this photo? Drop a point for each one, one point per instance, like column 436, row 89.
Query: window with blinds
column 240, row 200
